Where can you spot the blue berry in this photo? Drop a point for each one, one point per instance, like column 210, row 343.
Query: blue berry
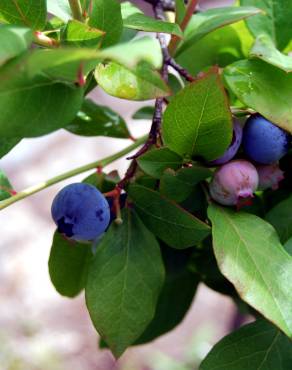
column 234, row 146
column 81, row 212
column 263, row 141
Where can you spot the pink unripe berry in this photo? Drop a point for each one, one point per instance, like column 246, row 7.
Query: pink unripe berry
column 233, row 182
column 270, row 176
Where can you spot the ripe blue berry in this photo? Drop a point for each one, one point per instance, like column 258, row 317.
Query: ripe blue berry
column 234, row 146
column 263, row 141
column 234, row 182
column 81, row 212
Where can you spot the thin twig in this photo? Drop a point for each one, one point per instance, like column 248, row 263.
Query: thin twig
column 76, row 171
column 154, row 136
column 182, row 71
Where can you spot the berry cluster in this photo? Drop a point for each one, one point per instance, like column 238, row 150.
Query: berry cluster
column 263, row 144
column 82, row 213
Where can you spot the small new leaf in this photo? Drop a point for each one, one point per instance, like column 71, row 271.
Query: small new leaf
column 155, row 161
column 6, row 189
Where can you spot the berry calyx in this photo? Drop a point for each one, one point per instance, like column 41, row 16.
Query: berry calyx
column 264, row 142
column 234, row 183
column 80, row 212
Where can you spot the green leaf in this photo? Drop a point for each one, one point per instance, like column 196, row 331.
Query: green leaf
column 97, row 120
column 281, row 218
column 34, row 106
column 78, row 34
column 265, row 49
column 179, row 185
column 14, row 41
column 64, row 63
column 204, row 264
column 176, row 295
column 144, row 113
column 6, row 189
column 220, row 47
column 258, row 345
column 155, row 161
column 105, row 182
column 274, row 22
column 251, row 257
column 106, row 16
column 134, row 18
column 288, row 246
column 60, row 8
column 27, row 13
column 68, row 265
column 171, row 223
column 130, row 54
column 180, row 11
column 197, row 121
column 265, row 88
column 7, row 144
column 124, row 281
column 141, row 83
column 205, row 22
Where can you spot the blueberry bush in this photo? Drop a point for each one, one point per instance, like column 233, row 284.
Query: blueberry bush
column 207, row 194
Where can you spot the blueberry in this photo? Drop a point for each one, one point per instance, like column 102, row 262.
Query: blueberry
column 234, row 182
column 263, row 141
column 234, row 146
column 81, row 212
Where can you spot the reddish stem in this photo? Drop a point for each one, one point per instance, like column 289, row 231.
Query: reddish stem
column 189, row 12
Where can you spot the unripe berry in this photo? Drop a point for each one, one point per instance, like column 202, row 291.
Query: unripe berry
column 233, row 182
column 263, row 141
column 81, row 212
column 234, row 146
column 270, row 176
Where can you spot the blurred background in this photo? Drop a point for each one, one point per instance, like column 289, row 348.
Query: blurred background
column 40, row 330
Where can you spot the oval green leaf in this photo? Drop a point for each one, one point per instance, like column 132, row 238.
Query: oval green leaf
column 124, row 281
column 265, row 88
column 171, row 223
column 68, row 265
column 197, row 121
column 251, row 257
